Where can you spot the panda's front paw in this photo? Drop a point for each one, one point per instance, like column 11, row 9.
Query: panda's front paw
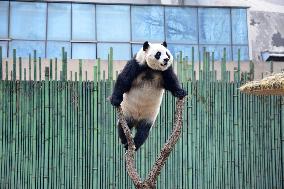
column 180, row 93
column 115, row 101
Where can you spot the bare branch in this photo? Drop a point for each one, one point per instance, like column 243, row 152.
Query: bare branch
column 168, row 147
column 129, row 155
column 150, row 182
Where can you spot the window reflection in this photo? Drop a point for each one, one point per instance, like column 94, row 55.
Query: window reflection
column 181, row 24
column 147, row 23
column 214, row 26
column 239, row 26
column 28, row 20
column 4, row 11
column 4, row 46
column 83, row 23
column 24, row 48
column 113, row 23
column 59, row 21
column 84, row 51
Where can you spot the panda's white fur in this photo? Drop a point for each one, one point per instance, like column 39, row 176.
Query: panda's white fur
column 145, row 96
column 143, row 100
column 148, row 57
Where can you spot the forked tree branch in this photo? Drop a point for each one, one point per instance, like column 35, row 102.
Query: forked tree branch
column 150, row 181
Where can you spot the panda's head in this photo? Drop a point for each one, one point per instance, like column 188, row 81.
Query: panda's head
column 156, row 56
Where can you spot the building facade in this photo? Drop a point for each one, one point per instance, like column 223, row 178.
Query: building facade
column 87, row 29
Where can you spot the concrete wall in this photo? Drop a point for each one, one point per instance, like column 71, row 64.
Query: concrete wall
column 266, row 32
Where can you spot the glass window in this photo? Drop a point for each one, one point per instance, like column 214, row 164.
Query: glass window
column 4, row 11
column 121, row 51
column 113, row 23
column 84, row 22
column 136, row 48
column 218, row 51
column 59, row 21
column 214, row 26
column 181, row 24
column 147, row 23
column 239, row 26
column 4, row 45
column 28, row 20
column 244, row 52
column 24, row 48
column 54, row 49
column 84, row 51
column 186, row 50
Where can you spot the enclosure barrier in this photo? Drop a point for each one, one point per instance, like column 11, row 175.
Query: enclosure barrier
column 62, row 134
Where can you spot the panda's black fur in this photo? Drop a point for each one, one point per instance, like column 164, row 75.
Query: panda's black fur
column 136, row 79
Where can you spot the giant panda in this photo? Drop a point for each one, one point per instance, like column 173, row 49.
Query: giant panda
column 139, row 89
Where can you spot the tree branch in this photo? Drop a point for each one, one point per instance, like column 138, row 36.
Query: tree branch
column 150, row 182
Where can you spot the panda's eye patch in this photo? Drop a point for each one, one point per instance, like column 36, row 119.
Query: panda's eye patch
column 158, row 55
column 168, row 55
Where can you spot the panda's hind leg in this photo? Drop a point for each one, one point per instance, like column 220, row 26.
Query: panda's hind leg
column 142, row 132
column 130, row 123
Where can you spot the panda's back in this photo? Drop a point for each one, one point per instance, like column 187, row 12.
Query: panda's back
column 144, row 98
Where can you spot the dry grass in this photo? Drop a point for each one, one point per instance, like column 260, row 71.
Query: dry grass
column 271, row 85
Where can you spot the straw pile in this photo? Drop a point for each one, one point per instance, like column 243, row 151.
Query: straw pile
column 271, row 85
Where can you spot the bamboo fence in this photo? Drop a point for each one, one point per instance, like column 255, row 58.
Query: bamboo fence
column 62, row 133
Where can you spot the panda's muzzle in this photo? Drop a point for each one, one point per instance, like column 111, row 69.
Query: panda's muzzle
column 166, row 60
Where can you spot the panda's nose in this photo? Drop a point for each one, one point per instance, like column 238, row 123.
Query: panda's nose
column 166, row 61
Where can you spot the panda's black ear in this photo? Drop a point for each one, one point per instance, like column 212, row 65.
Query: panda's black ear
column 165, row 44
column 145, row 45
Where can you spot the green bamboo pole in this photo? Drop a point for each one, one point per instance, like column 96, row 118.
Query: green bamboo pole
column 239, row 64
column 251, row 70
column 282, row 135
column 39, row 68
column 1, row 62
column 46, row 128
column 2, row 121
column 110, row 64
column 6, row 70
column 14, row 65
column 34, row 61
column 30, row 67
column 20, row 68
column 50, row 70
column 199, row 66
column 95, row 141
column 80, row 70
column 63, row 64
column 56, row 72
